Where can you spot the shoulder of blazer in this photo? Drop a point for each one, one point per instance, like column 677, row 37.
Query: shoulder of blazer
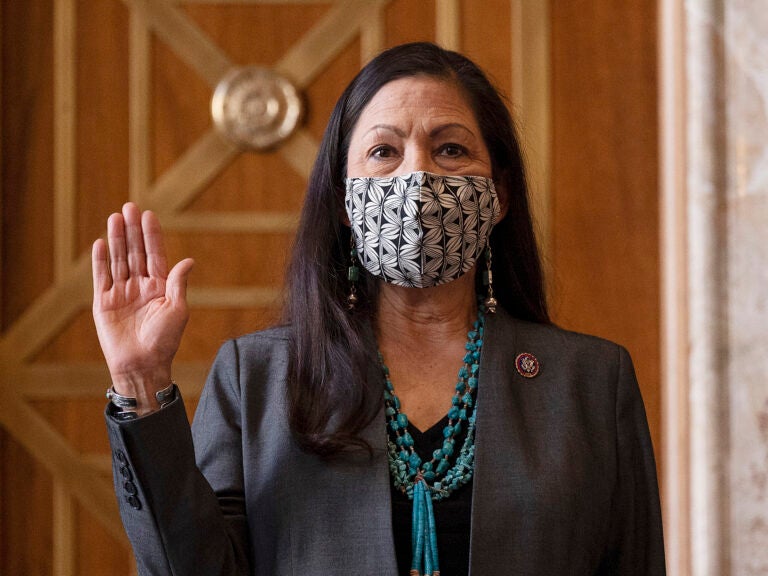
column 281, row 333
column 563, row 355
column 262, row 347
column 535, row 333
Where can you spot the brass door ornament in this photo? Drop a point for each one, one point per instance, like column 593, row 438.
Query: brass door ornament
column 256, row 108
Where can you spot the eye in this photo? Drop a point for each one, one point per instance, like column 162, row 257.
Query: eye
column 452, row 150
column 382, row 151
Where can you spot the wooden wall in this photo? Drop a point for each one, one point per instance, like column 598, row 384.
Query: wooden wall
column 108, row 101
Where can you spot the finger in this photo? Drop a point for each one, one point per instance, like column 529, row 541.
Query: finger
column 176, row 287
column 137, row 256
column 157, row 262
column 118, row 259
column 102, row 281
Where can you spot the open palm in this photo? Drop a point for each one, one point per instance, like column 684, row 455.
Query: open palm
column 139, row 307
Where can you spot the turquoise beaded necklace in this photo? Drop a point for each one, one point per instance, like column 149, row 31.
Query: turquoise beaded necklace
column 435, row 479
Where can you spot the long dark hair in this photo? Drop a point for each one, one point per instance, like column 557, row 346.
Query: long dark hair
column 332, row 398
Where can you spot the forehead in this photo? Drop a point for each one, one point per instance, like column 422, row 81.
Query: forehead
column 418, row 98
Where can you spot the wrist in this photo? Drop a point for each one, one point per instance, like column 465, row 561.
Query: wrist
column 141, row 384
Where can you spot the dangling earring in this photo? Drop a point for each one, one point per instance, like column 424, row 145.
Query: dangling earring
column 353, row 273
column 490, row 302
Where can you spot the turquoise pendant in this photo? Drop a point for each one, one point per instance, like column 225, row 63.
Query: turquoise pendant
column 423, row 535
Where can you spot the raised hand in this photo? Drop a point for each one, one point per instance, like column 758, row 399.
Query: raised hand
column 139, row 308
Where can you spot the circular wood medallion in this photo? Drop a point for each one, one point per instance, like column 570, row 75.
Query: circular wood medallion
column 255, row 107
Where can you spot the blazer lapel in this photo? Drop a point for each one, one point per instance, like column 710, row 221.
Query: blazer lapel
column 511, row 469
column 493, row 467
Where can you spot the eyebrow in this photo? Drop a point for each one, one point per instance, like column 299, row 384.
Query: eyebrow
column 434, row 132
column 388, row 127
column 444, row 127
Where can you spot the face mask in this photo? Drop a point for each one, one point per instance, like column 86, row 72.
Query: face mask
column 421, row 229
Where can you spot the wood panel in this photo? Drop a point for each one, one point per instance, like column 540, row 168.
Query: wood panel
column 3, row 439
column 27, row 161
column 605, row 221
column 27, row 236
column 407, row 21
column 27, row 530
column 477, row 27
column 101, row 49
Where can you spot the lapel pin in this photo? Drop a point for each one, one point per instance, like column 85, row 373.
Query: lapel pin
column 527, row 365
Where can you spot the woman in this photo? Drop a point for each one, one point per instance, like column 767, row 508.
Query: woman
column 414, row 261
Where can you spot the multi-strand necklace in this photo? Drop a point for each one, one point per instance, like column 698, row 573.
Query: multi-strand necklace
column 449, row 467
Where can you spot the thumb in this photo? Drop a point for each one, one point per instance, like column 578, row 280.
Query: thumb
column 176, row 284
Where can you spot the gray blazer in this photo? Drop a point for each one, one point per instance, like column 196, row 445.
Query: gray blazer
column 565, row 480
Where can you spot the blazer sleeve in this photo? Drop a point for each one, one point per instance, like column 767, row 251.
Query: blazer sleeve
column 177, row 522
column 638, row 547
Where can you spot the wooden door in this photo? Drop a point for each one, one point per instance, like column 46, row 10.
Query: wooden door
column 108, row 100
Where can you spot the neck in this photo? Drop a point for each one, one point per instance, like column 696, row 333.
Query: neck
column 429, row 315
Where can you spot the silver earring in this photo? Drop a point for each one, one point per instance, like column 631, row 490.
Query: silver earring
column 490, row 302
column 353, row 273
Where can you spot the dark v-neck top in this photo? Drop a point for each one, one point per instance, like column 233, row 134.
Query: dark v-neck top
column 452, row 515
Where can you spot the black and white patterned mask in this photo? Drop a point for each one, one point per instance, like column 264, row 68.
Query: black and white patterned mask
column 421, row 229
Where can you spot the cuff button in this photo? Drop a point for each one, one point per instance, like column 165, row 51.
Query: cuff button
column 130, row 487
column 134, row 502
